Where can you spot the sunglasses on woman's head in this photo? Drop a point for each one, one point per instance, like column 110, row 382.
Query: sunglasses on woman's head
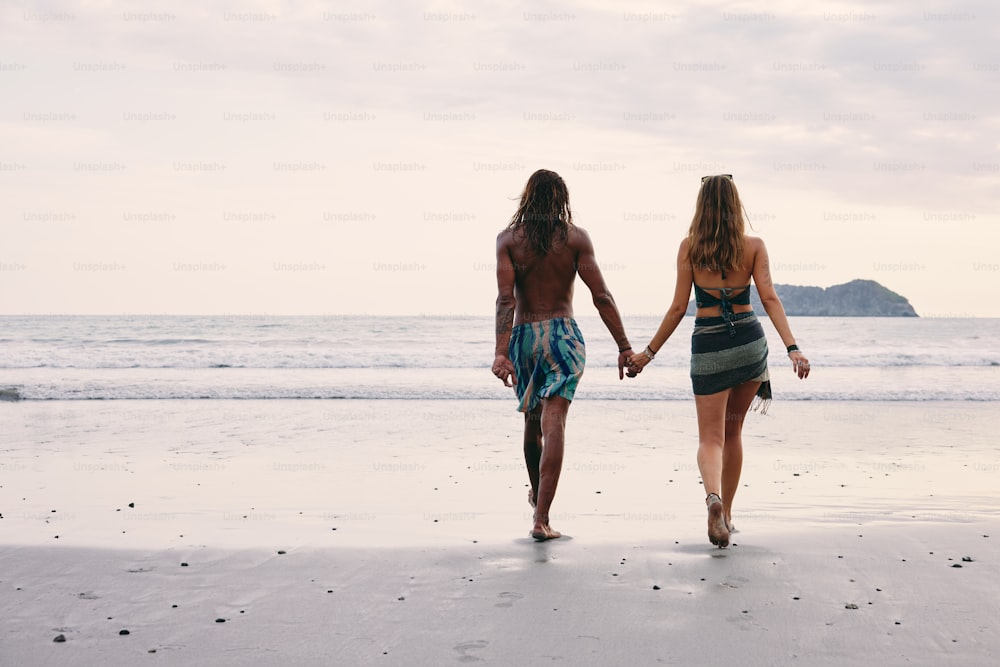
column 705, row 178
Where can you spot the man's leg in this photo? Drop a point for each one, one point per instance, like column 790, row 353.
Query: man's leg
column 533, row 448
column 553, row 424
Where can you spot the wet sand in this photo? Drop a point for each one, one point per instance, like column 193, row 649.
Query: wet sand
column 396, row 533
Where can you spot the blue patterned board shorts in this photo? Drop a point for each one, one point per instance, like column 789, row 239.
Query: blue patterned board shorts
column 548, row 360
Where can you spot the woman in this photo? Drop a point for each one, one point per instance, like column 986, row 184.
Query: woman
column 728, row 347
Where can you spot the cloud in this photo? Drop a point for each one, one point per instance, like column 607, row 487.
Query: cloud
column 373, row 134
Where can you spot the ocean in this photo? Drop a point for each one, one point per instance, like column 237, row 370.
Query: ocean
column 69, row 357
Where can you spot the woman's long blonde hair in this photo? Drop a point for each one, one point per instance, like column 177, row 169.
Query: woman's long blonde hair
column 715, row 238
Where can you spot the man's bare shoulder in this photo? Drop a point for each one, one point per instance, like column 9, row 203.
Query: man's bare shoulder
column 578, row 238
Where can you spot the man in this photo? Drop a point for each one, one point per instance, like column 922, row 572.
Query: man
column 539, row 349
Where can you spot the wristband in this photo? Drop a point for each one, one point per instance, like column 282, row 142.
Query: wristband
column 624, row 349
column 793, row 348
column 649, row 353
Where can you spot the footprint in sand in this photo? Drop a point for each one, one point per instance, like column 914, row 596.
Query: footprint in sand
column 465, row 647
column 508, row 599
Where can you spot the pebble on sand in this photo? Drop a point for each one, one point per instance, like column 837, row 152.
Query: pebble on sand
column 59, row 639
column 124, row 632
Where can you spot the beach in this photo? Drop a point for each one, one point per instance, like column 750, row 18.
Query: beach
column 350, row 532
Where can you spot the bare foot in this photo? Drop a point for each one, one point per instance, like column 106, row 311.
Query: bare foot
column 543, row 531
column 718, row 532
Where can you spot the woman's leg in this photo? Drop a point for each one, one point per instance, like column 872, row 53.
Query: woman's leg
column 711, row 438
column 740, row 398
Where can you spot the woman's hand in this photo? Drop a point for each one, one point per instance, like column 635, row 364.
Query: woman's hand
column 799, row 364
column 637, row 362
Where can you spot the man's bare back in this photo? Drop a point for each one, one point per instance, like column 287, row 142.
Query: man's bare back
column 543, row 285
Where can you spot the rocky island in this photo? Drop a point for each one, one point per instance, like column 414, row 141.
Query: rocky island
column 857, row 298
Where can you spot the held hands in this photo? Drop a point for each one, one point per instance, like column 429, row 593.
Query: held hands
column 503, row 368
column 637, row 362
column 800, row 365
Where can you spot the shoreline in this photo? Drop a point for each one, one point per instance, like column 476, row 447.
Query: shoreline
column 413, row 514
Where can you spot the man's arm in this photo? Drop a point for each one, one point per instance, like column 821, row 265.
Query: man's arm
column 590, row 273
column 506, row 303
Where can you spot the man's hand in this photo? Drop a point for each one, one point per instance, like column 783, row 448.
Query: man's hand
column 625, row 359
column 503, row 368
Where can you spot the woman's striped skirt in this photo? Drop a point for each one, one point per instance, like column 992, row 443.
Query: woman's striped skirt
column 722, row 357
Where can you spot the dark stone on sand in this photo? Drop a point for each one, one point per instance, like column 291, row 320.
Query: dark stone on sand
column 401, row 598
column 124, row 632
column 173, row 606
column 957, row 565
column 131, row 504
column 850, row 605
column 59, row 639
column 966, row 559
column 655, row 587
column 220, row 620
column 184, row 565
column 282, row 553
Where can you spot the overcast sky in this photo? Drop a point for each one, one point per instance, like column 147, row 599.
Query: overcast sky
column 309, row 157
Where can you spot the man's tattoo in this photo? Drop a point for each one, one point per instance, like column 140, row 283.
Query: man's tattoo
column 505, row 320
